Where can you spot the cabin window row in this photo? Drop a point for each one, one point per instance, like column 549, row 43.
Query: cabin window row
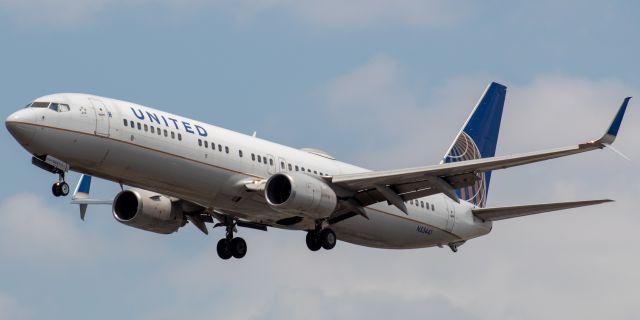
column 422, row 204
column 151, row 129
column 205, row 144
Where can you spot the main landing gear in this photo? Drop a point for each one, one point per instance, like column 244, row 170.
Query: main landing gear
column 60, row 188
column 321, row 238
column 231, row 247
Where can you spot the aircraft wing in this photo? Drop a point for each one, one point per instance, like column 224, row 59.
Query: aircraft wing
column 501, row 213
column 398, row 186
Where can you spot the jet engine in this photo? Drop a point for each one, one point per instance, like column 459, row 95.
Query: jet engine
column 300, row 194
column 148, row 211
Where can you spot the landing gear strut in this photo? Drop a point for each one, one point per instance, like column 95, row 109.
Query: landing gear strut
column 323, row 238
column 60, row 188
column 231, row 247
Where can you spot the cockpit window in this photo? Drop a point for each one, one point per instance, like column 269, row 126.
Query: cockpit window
column 40, row 105
column 59, row 107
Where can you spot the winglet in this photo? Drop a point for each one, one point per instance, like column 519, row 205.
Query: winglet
column 610, row 136
column 82, row 192
column 81, row 195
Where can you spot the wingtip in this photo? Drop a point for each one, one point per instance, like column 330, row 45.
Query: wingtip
column 612, row 132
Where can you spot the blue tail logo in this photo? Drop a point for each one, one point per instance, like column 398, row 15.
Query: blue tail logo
column 478, row 139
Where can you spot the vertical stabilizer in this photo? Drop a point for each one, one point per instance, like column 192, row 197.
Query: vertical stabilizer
column 478, row 139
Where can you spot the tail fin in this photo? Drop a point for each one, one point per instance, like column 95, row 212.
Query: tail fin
column 478, row 139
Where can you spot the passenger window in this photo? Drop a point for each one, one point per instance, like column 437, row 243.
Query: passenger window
column 417, row 204
column 264, row 160
column 139, row 126
column 315, row 172
column 240, row 153
column 220, row 147
column 433, row 208
column 213, row 146
column 321, row 174
column 270, row 162
column 290, row 168
column 226, row 149
column 173, row 135
column 153, row 129
column 281, row 165
column 200, row 142
column 126, row 124
column 296, row 168
column 146, row 128
column 132, row 125
column 259, row 158
column 179, row 135
column 309, row 170
column 422, row 204
column 159, row 131
column 410, row 201
column 253, row 157
column 165, row 132
column 206, row 144
column 302, row 169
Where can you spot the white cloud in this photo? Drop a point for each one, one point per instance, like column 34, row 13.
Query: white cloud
column 331, row 14
column 31, row 231
column 383, row 109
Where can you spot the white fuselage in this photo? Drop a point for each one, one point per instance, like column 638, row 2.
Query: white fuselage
column 210, row 166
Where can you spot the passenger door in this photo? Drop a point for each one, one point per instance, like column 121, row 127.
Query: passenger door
column 451, row 214
column 271, row 165
column 103, row 117
column 282, row 165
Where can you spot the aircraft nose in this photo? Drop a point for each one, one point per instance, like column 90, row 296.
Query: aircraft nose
column 20, row 125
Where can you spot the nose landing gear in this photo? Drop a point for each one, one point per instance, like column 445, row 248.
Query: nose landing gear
column 53, row 165
column 60, row 188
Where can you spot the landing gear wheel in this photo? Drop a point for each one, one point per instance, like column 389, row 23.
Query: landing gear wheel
column 238, row 248
column 224, row 249
column 328, row 239
column 313, row 241
column 64, row 188
column 56, row 189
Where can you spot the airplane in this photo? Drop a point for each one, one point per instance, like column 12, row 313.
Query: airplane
column 178, row 171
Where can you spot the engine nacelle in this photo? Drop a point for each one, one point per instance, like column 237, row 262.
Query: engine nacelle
column 147, row 211
column 300, row 194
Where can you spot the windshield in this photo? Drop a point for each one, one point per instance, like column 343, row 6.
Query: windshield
column 57, row 107
column 40, row 105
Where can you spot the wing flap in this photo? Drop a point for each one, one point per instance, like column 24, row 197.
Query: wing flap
column 501, row 213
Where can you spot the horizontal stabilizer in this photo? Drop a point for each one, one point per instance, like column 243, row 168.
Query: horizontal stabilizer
column 501, row 213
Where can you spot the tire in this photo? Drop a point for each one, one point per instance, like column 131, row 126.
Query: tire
column 223, row 249
column 55, row 189
column 238, row 248
column 64, row 189
column 313, row 241
column 328, row 239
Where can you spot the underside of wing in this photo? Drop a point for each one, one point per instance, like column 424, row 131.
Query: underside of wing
column 448, row 178
column 501, row 213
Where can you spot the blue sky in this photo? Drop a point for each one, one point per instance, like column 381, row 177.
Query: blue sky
column 383, row 84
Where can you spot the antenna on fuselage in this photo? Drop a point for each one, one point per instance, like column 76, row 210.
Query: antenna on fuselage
column 254, row 134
